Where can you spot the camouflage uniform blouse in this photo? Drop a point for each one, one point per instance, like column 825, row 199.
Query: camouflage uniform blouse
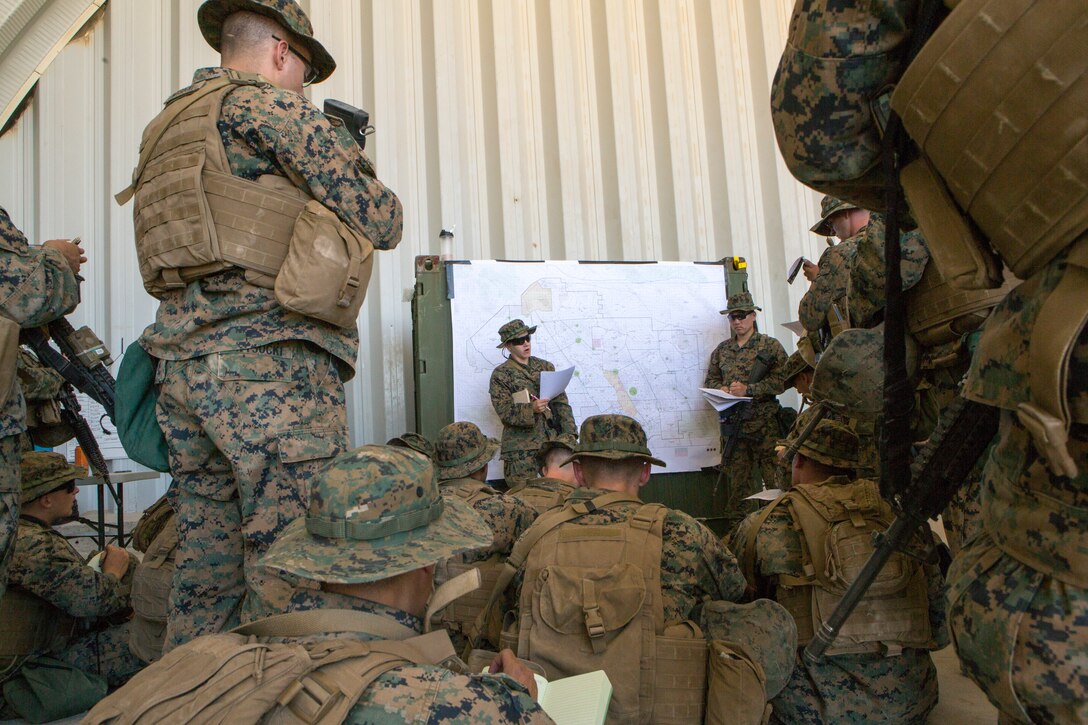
column 423, row 693
column 830, row 285
column 46, row 565
column 731, row 362
column 522, row 429
column 36, row 286
column 269, row 130
column 506, row 516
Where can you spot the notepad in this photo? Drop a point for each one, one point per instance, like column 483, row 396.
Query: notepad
column 578, row 700
column 794, row 269
column 522, row 396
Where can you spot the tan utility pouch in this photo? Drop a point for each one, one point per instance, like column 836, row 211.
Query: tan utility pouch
column 737, row 689
column 151, row 584
column 9, row 357
column 327, row 269
column 680, row 679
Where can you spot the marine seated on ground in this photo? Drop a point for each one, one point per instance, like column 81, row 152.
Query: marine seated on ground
column 365, row 554
column 803, row 550
column 556, row 481
column 56, row 603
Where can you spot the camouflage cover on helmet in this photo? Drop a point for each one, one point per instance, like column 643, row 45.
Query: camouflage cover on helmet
column 565, row 440
column 615, row 437
column 764, row 629
column 741, row 301
column 42, row 471
column 287, row 13
column 415, row 441
column 513, row 330
column 831, row 443
column 374, row 513
column 850, row 375
column 462, row 449
column 828, row 206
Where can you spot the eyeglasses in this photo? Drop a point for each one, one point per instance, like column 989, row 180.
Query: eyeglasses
column 738, row 316
column 517, row 341
column 311, row 73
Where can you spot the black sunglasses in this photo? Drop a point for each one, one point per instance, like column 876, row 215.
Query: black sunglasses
column 738, row 315
column 520, row 340
column 311, row 73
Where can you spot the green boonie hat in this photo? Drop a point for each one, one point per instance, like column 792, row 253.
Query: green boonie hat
column 566, row 440
column 615, row 437
column 740, row 301
column 374, row 513
column 803, row 358
column 833, row 444
column 512, row 330
column 41, row 472
column 287, row 13
column 462, row 449
column 828, row 206
column 415, row 441
column 764, row 629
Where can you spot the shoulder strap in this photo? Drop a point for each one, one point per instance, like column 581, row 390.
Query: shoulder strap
column 451, row 591
column 748, row 557
column 650, row 519
column 324, row 621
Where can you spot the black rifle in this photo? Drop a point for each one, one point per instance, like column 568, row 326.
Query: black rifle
column 952, row 451
column 731, row 420
column 356, row 120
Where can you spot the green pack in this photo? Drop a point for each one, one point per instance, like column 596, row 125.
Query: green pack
column 137, row 427
column 45, row 689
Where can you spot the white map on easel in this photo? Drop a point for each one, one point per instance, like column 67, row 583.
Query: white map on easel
column 638, row 335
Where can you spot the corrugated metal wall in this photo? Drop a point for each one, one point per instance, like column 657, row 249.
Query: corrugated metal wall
column 538, row 129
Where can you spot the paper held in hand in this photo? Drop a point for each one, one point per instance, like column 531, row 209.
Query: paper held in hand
column 554, row 383
column 719, row 399
column 576, row 700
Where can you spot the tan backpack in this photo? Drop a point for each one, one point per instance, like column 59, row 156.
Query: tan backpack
column 539, row 498
column 240, row 677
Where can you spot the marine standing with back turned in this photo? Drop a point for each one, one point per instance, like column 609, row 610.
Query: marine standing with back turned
column 251, row 393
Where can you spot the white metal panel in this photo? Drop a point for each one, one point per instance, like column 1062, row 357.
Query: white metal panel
column 562, row 129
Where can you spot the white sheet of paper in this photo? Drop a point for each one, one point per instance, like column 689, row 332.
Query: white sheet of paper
column 554, row 383
column 795, row 327
column 769, row 494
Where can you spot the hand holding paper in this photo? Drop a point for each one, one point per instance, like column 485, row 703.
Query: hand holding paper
column 554, row 383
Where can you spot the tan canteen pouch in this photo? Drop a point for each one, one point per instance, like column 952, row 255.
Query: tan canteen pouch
column 9, row 356
column 327, row 269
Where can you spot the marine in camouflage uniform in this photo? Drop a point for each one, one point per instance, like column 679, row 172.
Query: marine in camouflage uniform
column 251, row 395
column 827, row 293
column 753, row 457
column 555, row 481
column 37, row 286
column 524, row 430
column 381, row 484
column 462, row 452
column 843, row 688
column 86, row 610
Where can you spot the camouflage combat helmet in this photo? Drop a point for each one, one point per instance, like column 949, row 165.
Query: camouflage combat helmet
column 740, row 301
column 833, row 444
column 566, row 441
column 513, row 330
column 462, row 449
column 804, row 358
column 850, row 375
column 42, row 472
column 614, row 437
column 287, row 13
column 374, row 513
column 764, row 629
column 828, row 206
column 415, row 441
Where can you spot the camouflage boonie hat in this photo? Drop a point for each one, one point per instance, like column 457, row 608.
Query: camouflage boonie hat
column 828, row 206
column 462, row 449
column 740, row 301
column 415, row 441
column 764, row 629
column 566, row 441
column 833, row 444
column 804, row 358
column 615, row 437
column 513, row 330
column 42, row 471
column 374, row 513
column 287, row 13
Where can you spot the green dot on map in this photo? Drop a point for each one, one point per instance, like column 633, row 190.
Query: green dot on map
column 578, row 340
column 633, row 391
column 577, row 373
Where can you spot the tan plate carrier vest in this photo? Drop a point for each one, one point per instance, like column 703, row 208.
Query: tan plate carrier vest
column 539, row 498
column 193, row 217
column 30, row 625
column 579, row 614
column 836, row 523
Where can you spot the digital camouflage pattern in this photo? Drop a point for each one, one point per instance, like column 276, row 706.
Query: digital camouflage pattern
column 740, row 301
column 831, row 443
column 565, row 441
column 613, row 437
column 865, row 288
column 829, row 288
column 42, row 472
column 753, row 458
column 415, row 441
column 47, row 566
column 423, row 693
column 506, row 516
column 376, row 512
column 868, row 444
column 1018, row 593
column 513, row 330
column 542, row 493
column 461, row 449
column 247, row 432
column 523, row 430
column 764, row 628
column 287, row 13
column 861, row 688
column 829, row 205
column 696, row 566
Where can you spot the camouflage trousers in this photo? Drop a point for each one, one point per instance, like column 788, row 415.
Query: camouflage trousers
column 246, row 431
column 753, row 461
column 10, row 455
column 104, row 652
column 519, row 467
